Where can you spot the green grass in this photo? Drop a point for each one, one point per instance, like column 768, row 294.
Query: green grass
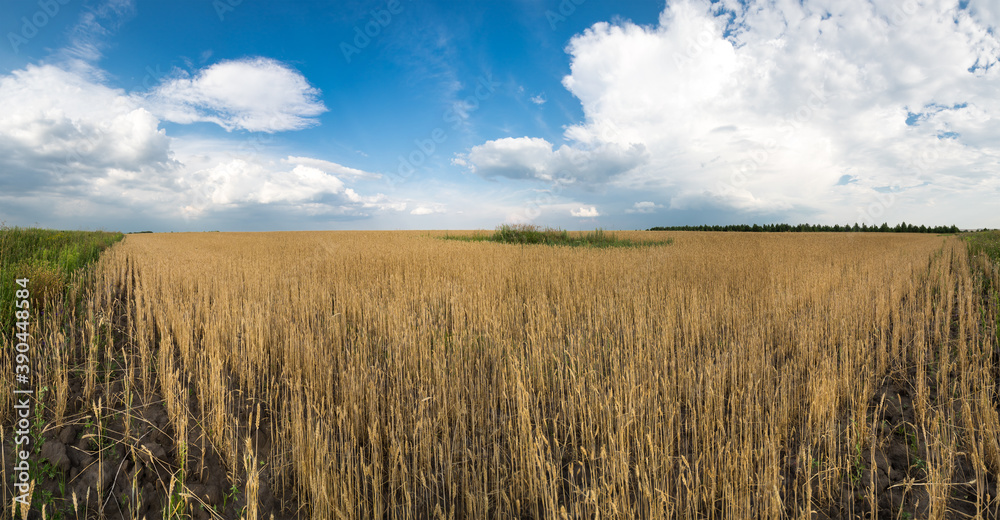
column 524, row 234
column 987, row 242
column 47, row 258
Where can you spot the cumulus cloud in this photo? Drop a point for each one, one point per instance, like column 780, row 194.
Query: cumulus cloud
column 70, row 145
column 585, row 212
column 240, row 181
column 244, row 182
column 535, row 158
column 762, row 107
column 539, row 99
column 644, row 207
column 254, row 94
column 428, row 209
column 257, row 181
column 379, row 201
column 331, row 167
column 59, row 124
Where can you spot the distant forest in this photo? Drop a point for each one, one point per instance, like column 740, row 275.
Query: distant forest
column 806, row 228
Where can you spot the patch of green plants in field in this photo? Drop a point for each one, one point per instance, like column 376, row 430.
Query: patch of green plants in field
column 987, row 242
column 525, row 234
column 48, row 258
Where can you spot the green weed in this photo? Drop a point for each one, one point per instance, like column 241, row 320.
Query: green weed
column 526, row 234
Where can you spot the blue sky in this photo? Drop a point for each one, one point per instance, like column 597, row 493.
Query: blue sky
column 249, row 115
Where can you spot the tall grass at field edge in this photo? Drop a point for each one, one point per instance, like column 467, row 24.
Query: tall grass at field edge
column 46, row 257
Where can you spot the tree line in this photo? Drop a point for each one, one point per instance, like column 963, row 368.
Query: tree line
column 902, row 227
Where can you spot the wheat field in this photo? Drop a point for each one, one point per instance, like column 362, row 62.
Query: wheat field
column 398, row 375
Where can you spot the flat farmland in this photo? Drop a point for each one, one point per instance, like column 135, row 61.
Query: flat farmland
column 402, row 375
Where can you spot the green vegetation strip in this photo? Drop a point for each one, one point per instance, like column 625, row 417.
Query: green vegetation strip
column 48, row 258
column 986, row 242
column 524, row 234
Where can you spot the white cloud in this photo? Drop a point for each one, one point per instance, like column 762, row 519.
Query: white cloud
column 539, row 99
column 55, row 123
column 73, row 148
column 331, row 167
column 89, row 35
column 644, row 207
column 258, row 181
column 247, row 181
column 255, row 94
column 585, row 212
column 378, row 201
column 534, row 158
column 763, row 106
column 428, row 209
